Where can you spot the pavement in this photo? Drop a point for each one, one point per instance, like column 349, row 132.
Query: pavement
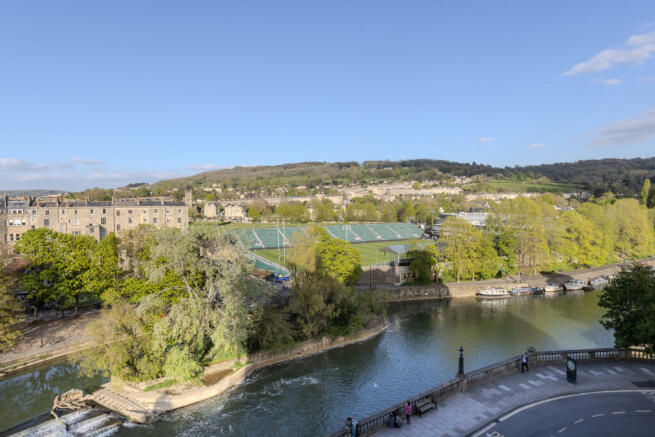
column 479, row 411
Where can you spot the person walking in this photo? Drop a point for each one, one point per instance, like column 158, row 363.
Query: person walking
column 524, row 363
column 408, row 412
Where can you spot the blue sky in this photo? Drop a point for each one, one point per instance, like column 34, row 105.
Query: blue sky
column 106, row 93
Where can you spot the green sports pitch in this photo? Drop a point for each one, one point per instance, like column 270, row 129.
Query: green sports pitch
column 368, row 251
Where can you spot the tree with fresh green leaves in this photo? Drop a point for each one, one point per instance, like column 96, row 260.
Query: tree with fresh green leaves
column 469, row 253
column 338, row 259
column 645, row 193
column 423, row 258
column 630, row 303
column 524, row 218
column 585, row 245
column 10, row 310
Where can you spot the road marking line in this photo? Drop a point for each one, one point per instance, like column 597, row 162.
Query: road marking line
column 535, row 383
column 618, row 412
column 504, row 387
column 596, row 373
column 541, row 376
column 619, row 369
column 557, row 398
column 561, row 372
column 562, row 430
column 647, row 371
column 526, row 386
column 578, row 421
column 643, row 411
column 610, row 371
column 598, row 415
column 485, row 429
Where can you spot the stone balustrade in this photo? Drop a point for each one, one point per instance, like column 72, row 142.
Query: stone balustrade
column 485, row 374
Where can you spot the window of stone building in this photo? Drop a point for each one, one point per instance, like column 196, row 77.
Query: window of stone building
column 75, row 212
column 76, row 232
column 34, row 212
column 46, row 222
column 129, row 220
column 156, row 211
column 11, row 237
column 47, row 212
column 103, row 220
column 145, row 220
column 168, row 211
column 17, row 237
column 91, row 230
column 145, row 211
column 104, row 211
column 22, row 222
column 91, row 211
column 118, row 227
column 63, row 212
column 154, row 220
column 76, row 221
column 168, row 219
column 118, row 212
column 33, row 227
column 179, row 219
column 129, row 211
column 179, row 211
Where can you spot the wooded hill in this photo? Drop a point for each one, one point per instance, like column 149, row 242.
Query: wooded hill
column 621, row 176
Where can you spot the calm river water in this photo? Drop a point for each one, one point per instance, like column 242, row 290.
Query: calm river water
column 312, row 396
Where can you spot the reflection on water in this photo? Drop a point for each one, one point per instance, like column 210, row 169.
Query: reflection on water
column 31, row 393
column 312, row 395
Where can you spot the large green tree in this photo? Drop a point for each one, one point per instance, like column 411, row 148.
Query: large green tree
column 630, row 303
column 10, row 311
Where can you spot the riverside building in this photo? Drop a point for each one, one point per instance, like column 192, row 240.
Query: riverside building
column 96, row 219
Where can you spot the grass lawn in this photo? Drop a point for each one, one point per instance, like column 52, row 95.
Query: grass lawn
column 368, row 251
column 531, row 186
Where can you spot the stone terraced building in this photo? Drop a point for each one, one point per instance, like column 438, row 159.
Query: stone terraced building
column 96, row 219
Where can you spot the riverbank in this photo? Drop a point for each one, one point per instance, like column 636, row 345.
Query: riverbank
column 47, row 340
column 400, row 293
column 132, row 401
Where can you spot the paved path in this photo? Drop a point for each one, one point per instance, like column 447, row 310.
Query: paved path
column 467, row 413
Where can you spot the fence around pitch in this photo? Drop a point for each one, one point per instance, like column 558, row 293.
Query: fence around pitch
column 488, row 373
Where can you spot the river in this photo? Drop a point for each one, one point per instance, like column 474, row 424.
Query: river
column 311, row 396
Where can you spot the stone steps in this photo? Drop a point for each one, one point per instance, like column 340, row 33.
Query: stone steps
column 121, row 404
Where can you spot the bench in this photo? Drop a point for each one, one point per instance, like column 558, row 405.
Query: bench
column 425, row 405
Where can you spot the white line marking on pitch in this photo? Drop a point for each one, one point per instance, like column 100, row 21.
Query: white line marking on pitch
column 598, row 415
column 618, row 412
column 562, row 430
column 578, row 421
column 647, row 371
column 504, row 387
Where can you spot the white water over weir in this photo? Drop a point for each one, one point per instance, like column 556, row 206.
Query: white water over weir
column 89, row 422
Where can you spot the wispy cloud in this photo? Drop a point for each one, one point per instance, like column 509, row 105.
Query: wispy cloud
column 12, row 164
column 637, row 49
column 536, row 146
column 626, row 131
column 93, row 162
column 486, row 139
column 611, row 82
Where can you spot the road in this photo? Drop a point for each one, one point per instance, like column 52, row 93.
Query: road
column 624, row 414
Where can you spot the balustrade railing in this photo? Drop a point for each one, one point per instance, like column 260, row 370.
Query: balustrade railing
column 488, row 373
